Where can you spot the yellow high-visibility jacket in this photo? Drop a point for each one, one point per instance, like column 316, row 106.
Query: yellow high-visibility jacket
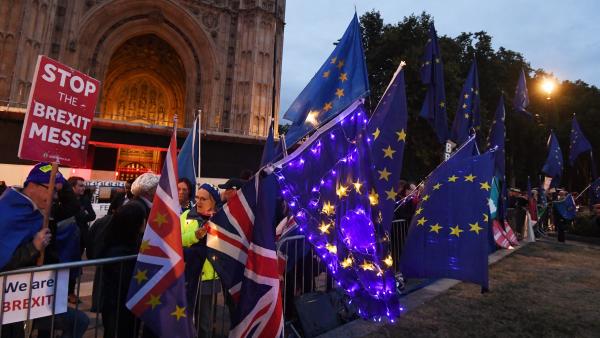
column 188, row 238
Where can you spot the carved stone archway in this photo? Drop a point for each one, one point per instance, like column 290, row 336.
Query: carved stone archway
column 109, row 26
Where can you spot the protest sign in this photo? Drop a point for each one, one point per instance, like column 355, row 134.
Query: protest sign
column 17, row 301
column 60, row 110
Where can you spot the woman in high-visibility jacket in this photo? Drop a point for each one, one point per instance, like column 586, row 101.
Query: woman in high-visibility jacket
column 193, row 235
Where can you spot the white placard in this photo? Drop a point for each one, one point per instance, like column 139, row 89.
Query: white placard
column 16, row 301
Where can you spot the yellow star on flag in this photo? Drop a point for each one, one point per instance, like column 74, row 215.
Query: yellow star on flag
column 418, row 211
column 357, row 185
column 425, row 198
column 374, row 197
column 470, row 178
column 388, row 260
column 455, row 231
column 376, row 133
column 160, row 219
column 464, row 106
column 140, row 276
column 485, row 186
column 179, row 312
column 485, row 218
column 145, row 245
column 346, row 263
column 452, row 178
column 367, row 266
column 327, row 106
column 326, row 74
column 442, row 104
column 343, row 77
column 437, row 186
column 401, row 135
column 384, row 174
column 339, row 92
column 466, row 116
column 341, row 191
column 388, row 152
column 466, row 96
column 334, row 60
column 421, row 221
column 435, row 228
column 340, row 64
column 328, row 209
column 475, row 227
column 391, row 194
column 154, row 301
column 324, row 227
column 331, row 248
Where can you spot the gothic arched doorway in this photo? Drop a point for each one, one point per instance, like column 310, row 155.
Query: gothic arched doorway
column 145, row 83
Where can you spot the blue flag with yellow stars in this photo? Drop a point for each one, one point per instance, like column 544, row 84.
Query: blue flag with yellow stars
column 268, row 154
column 467, row 115
column 595, row 192
column 448, row 235
column 432, row 75
column 578, row 143
column 339, row 82
column 554, row 162
column 497, row 136
column 387, row 129
column 521, row 100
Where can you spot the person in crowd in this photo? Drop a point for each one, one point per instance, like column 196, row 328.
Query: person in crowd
column 185, row 191
column 123, row 197
column 560, row 222
column 2, row 187
column 21, row 218
column 230, row 188
column 86, row 213
column 198, row 268
column 123, row 236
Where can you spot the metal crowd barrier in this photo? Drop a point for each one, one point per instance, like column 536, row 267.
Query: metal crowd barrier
column 303, row 274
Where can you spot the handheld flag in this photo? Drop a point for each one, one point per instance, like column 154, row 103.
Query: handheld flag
column 157, row 290
column 269, row 149
column 595, row 192
column 432, row 75
column 388, row 130
column 496, row 138
column 521, row 100
column 187, row 160
column 241, row 247
column 566, row 208
column 448, row 236
column 341, row 80
column 467, row 115
column 578, row 143
column 554, row 162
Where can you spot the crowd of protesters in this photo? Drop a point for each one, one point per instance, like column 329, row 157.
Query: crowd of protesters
column 74, row 233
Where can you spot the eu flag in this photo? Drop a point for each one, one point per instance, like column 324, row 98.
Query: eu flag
column 521, row 100
column 554, row 162
column 340, row 81
column 388, row 130
column 497, row 136
column 467, row 114
column 188, row 159
column 432, row 75
column 578, row 143
column 595, row 192
column 268, row 154
column 448, row 236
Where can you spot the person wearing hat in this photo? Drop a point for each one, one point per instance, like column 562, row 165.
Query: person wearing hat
column 198, row 270
column 231, row 187
column 21, row 218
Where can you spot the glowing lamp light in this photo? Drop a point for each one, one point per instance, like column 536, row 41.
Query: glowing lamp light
column 548, row 86
column 312, row 118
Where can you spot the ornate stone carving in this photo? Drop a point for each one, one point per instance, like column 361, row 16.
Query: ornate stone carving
column 210, row 20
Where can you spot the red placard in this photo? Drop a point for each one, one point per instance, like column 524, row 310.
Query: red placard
column 60, row 111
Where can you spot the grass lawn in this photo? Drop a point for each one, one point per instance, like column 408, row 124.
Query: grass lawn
column 543, row 290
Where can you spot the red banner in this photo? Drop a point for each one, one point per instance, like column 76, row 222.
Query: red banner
column 60, row 110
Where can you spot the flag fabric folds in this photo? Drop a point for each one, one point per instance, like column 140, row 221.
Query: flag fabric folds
column 521, row 100
column 432, row 75
column 328, row 183
column 157, row 291
column 448, row 235
column 467, row 115
column 387, row 129
column 566, row 207
column 241, row 247
column 187, row 160
column 578, row 143
column 553, row 166
column 340, row 81
column 268, row 153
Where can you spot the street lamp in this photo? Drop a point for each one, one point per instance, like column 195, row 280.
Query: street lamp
column 548, row 85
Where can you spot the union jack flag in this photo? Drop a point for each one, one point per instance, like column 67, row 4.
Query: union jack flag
column 157, row 290
column 241, row 246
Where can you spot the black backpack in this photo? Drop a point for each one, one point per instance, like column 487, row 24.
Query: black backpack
column 96, row 235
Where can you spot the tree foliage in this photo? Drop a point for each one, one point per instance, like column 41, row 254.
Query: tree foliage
column 388, row 44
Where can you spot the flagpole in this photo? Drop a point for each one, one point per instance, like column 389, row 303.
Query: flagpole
column 199, row 132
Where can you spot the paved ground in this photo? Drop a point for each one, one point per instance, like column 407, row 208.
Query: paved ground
column 545, row 289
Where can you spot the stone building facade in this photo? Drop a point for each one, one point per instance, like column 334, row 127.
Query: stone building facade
column 154, row 58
